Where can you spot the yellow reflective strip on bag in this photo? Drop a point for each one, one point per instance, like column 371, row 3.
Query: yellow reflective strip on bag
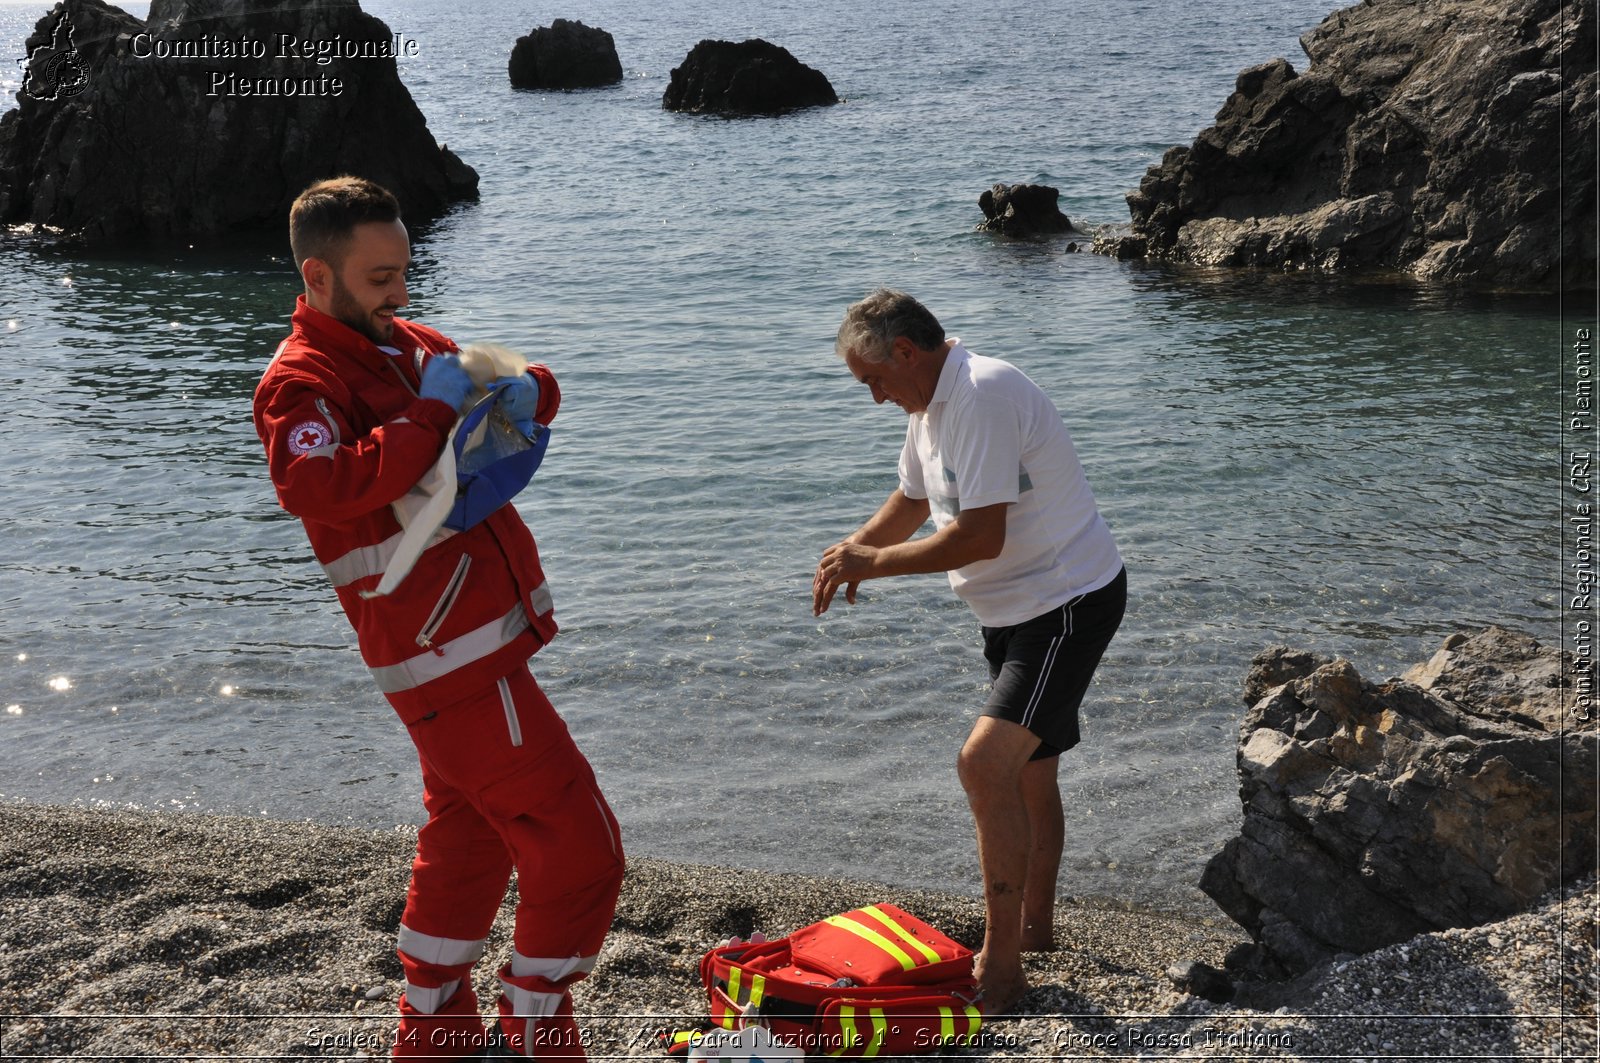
column 733, row 985
column 947, row 1025
column 867, row 934
column 901, row 932
column 847, row 1030
column 758, row 988
column 879, row 1032
column 974, row 1022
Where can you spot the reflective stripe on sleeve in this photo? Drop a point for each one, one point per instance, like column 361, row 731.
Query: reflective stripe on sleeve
column 446, row 657
column 541, row 599
column 447, row 952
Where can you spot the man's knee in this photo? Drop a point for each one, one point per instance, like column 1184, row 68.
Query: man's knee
column 993, row 757
column 975, row 768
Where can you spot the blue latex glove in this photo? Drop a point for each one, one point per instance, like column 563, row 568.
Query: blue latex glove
column 445, row 380
column 519, row 401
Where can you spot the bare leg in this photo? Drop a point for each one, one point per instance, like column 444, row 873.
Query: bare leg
column 991, row 767
column 1042, row 796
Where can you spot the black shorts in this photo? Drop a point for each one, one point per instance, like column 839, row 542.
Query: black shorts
column 1041, row 668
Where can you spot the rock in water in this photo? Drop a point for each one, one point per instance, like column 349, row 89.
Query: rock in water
column 210, row 117
column 1023, row 210
column 565, row 55
column 1454, row 140
column 1375, row 813
column 744, row 78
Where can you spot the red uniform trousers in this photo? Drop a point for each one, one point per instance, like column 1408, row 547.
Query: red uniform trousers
column 505, row 787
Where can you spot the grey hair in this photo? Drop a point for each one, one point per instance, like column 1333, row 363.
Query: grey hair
column 871, row 326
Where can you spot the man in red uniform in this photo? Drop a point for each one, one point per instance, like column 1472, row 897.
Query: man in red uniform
column 353, row 410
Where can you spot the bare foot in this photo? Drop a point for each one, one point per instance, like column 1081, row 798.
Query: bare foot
column 1001, row 987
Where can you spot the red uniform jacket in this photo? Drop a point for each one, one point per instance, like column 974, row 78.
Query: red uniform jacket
column 346, row 435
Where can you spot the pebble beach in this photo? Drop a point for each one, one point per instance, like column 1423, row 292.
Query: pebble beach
column 131, row 935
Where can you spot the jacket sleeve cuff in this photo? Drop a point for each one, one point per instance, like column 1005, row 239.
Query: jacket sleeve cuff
column 549, row 393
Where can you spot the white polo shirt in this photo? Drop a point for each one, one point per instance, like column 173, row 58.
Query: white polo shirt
column 990, row 435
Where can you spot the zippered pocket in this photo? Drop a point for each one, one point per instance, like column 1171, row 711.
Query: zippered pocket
column 441, row 609
column 513, row 726
column 333, row 426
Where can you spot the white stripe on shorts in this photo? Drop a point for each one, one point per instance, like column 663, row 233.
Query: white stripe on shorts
column 1049, row 663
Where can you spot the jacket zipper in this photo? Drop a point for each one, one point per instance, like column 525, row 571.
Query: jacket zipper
column 452, row 591
column 333, row 426
column 394, row 363
column 513, row 728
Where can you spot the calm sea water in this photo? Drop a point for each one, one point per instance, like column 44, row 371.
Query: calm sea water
column 1354, row 468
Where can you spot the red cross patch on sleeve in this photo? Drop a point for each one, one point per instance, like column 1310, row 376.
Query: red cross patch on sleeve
column 308, row 436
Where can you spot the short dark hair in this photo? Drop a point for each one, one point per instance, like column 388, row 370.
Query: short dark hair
column 325, row 215
column 871, row 326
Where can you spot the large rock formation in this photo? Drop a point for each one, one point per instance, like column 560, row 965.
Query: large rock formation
column 745, row 78
column 565, row 55
column 210, row 117
column 1452, row 797
column 1023, row 210
column 1454, row 140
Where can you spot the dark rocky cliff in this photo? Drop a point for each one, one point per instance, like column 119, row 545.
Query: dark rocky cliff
column 1453, row 140
column 114, row 140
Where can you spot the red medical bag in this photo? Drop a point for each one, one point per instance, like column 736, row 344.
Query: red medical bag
column 870, row 982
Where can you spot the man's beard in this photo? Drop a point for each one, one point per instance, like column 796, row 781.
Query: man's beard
column 346, row 309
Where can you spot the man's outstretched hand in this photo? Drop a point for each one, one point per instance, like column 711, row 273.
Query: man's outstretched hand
column 843, row 563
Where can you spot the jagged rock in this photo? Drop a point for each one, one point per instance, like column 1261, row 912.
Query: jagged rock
column 1277, row 665
column 1023, row 210
column 1502, row 675
column 1374, row 813
column 744, row 78
column 1454, row 140
column 189, row 145
column 565, row 55
column 1119, row 241
column 1201, row 980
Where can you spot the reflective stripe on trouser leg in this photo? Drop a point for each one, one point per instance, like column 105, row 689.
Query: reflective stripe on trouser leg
column 568, row 851
column 539, row 1025
column 453, row 1031
column 442, row 951
column 429, row 1001
column 435, row 967
column 533, row 989
column 457, row 881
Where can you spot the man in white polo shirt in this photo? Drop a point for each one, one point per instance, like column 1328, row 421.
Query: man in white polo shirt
column 1017, row 529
